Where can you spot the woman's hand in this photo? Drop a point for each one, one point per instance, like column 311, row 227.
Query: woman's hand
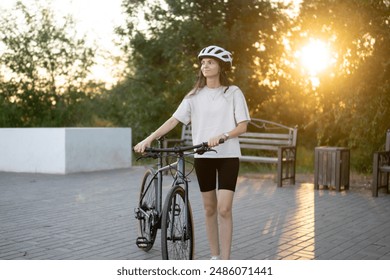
column 215, row 140
column 162, row 130
column 140, row 147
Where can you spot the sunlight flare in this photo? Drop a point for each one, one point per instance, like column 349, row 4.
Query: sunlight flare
column 315, row 57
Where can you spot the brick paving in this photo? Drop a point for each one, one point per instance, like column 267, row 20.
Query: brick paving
column 91, row 216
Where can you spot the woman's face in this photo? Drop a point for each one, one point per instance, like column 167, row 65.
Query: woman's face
column 210, row 67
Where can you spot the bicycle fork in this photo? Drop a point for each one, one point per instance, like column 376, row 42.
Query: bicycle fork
column 176, row 210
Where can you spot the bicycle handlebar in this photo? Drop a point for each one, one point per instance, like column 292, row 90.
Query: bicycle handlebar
column 198, row 149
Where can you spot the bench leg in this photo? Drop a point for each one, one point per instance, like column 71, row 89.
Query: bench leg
column 279, row 180
column 285, row 170
column 386, row 183
column 289, row 169
column 281, row 174
column 292, row 180
column 375, row 176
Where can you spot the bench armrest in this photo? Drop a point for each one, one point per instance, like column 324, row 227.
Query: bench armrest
column 381, row 163
column 381, row 159
column 287, row 152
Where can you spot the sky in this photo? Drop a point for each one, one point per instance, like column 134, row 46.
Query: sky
column 94, row 18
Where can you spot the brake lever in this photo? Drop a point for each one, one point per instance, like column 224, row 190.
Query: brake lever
column 140, row 157
column 147, row 155
column 201, row 151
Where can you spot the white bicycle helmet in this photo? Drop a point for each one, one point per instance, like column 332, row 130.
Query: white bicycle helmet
column 217, row 52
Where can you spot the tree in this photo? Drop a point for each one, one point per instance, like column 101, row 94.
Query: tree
column 45, row 65
column 162, row 59
column 350, row 106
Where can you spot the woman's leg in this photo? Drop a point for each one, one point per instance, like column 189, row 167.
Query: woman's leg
column 227, row 180
column 211, row 215
column 225, row 217
column 218, row 208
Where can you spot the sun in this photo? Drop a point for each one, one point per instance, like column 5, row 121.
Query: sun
column 315, row 57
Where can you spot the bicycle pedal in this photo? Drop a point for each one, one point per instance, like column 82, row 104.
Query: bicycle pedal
column 142, row 242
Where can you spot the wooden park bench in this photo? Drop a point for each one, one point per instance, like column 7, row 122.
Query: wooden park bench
column 381, row 168
column 264, row 142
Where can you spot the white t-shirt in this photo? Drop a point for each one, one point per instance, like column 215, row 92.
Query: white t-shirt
column 212, row 112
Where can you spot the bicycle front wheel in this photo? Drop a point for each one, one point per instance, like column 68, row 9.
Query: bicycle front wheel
column 177, row 233
column 147, row 213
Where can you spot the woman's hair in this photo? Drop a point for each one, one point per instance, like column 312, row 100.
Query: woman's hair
column 201, row 80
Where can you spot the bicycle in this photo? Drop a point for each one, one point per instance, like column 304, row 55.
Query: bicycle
column 174, row 218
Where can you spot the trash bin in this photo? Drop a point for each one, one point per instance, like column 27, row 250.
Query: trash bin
column 331, row 167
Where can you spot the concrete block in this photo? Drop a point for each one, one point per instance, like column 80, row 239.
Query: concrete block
column 64, row 150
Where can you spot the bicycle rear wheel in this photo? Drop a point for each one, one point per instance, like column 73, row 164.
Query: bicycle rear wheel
column 147, row 213
column 177, row 234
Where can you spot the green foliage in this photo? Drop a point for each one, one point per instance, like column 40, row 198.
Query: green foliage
column 45, row 65
column 349, row 108
column 352, row 104
column 163, row 58
column 44, row 70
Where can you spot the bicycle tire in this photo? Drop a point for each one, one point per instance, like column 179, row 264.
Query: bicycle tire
column 177, row 242
column 147, row 228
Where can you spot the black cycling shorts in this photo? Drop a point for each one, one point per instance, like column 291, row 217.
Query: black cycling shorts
column 207, row 170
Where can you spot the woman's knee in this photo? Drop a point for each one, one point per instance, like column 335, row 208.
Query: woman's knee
column 225, row 203
column 210, row 203
column 225, row 211
column 210, row 210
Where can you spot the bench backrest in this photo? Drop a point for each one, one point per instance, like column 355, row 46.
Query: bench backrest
column 261, row 135
column 267, row 135
column 186, row 135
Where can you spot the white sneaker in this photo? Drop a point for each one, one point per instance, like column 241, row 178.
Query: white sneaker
column 215, row 258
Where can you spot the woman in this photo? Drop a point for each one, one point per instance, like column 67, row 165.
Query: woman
column 215, row 110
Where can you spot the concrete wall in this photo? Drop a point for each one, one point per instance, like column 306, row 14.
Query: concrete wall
column 64, row 150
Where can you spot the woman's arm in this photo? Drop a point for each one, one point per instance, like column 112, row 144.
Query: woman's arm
column 238, row 130
column 161, row 131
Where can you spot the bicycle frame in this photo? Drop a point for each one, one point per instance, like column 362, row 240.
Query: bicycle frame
column 179, row 166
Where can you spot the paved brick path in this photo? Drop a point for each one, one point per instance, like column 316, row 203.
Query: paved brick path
column 90, row 216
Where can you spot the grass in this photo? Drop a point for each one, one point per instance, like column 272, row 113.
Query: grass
column 304, row 167
column 305, row 160
column 305, row 163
